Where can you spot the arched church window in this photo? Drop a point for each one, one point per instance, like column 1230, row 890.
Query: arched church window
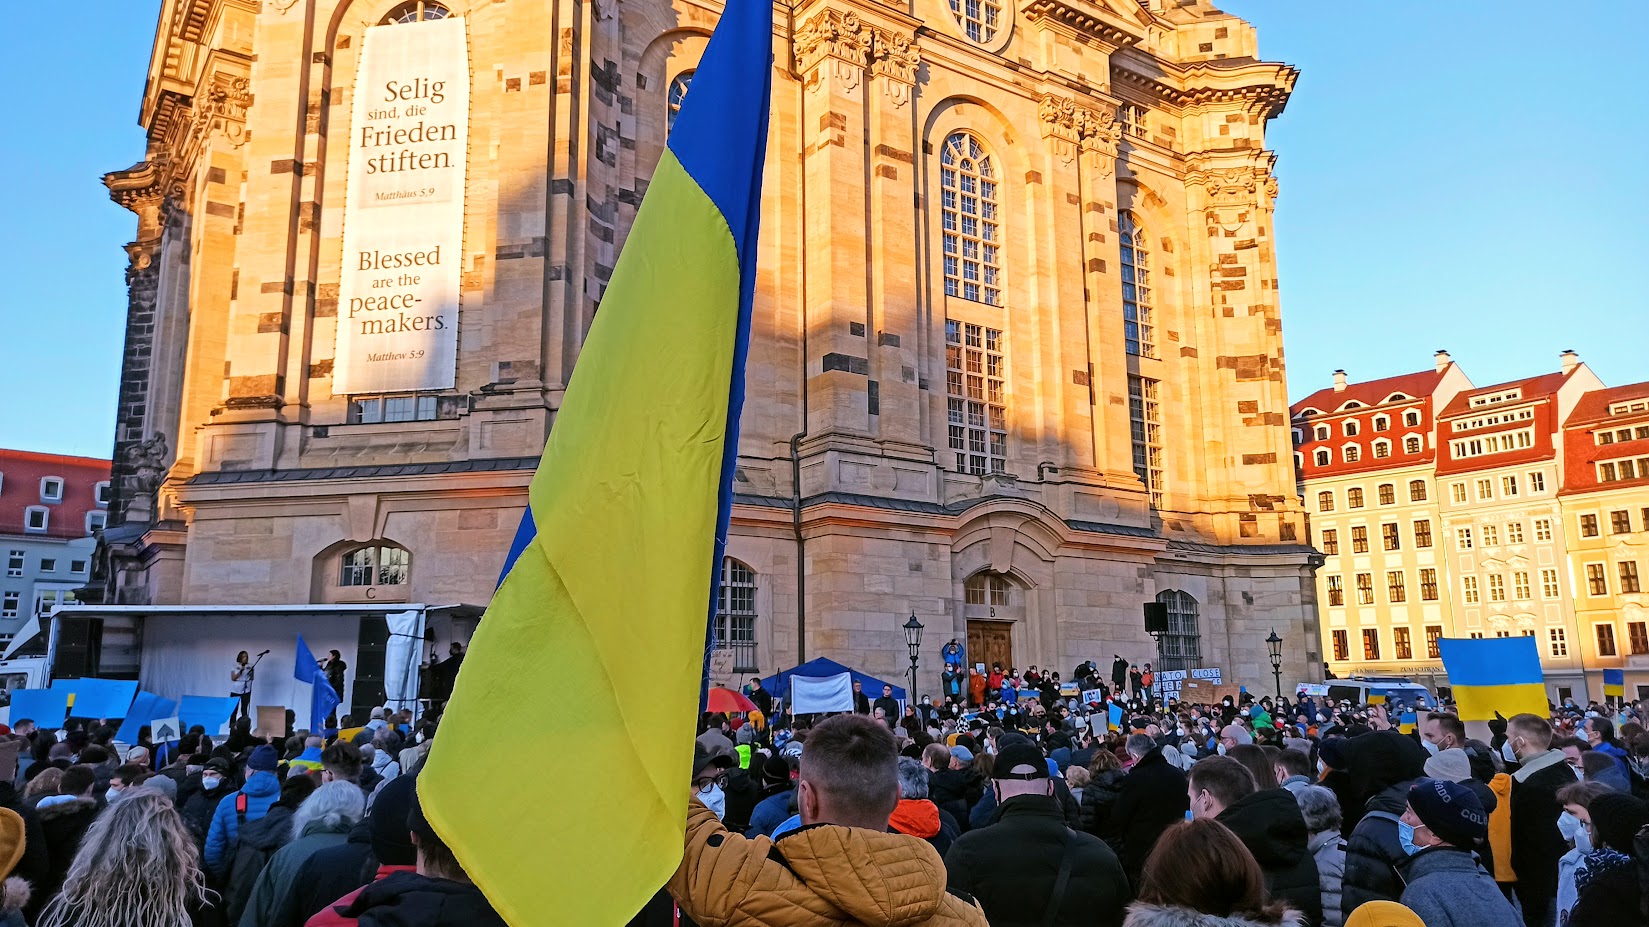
column 735, row 624
column 416, row 11
column 373, row 565
column 978, row 18
column 1139, row 330
column 1181, row 647
column 971, row 221
column 677, row 94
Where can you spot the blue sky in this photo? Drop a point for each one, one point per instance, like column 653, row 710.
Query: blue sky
column 1451, row 178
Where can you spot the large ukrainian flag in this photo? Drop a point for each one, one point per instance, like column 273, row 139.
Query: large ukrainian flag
column 561, row 772
column 1495, row 674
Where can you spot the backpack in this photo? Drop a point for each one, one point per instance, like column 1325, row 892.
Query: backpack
column 259, row 840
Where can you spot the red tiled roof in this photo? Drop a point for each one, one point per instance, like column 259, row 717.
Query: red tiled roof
column 1371, row 392
column 1533, row 388
column 1594, row 406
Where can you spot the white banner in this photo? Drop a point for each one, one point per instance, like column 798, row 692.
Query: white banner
column 404, row 210
column 1170, row 682
column 813, row 694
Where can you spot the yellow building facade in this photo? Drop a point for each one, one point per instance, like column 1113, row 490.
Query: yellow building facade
column 1016, row 365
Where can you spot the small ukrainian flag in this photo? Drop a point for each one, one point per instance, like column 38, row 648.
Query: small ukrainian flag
column 1614, row 683
column 1495, row 674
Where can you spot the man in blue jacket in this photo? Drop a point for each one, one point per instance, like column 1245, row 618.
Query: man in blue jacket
column 252, row 802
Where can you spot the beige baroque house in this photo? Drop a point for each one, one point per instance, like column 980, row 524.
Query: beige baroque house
column 1017, row 363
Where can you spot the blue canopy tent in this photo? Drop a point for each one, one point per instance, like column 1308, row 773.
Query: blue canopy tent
column 779, row 683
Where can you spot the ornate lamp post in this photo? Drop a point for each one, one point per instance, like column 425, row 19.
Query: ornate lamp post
column 913, row 640
column 1276, row 644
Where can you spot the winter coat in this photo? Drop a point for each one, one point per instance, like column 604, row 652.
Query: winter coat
column 1498, row 855
column 262, row 789
column 335, row 872
column 820, row 876
column 1329, row 850
column 199, row 809
column 1373, row 852
column 14, row 897
column 63, row 825
column 1011, row 868
column 984, row 810
column 35, row 864
column 1537, row 844
column 1098, row 799
column 920, row 817
column 1269, row 823
column 770, row 812
column 259, row 841
column 1151, row 915
column 1152, row 797
column 1447, row 888
column 331, row 914
column 1610, row 899
column 273, row 902
column 403, row 898
column 949, row 788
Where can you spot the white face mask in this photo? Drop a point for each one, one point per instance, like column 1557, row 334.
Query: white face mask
column 1431, row 748
column 1321, row 768
column 210, row 782
column 715, row 800
column 1221, row 749
column 1569, row 825
column 1507, row 753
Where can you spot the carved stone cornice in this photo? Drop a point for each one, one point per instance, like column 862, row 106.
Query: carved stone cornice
column 223, row 109
column 1232, row 192
column 894, row 61
column 1262, row 86
column 836, row 39
column 1069, row 125
column 1085, row 19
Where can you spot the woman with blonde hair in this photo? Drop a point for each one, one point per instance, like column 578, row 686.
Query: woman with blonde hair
column 136, row 867
column 42, row 785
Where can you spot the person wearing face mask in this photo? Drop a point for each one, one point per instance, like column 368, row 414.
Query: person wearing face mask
column 1611, row 893
column 1537, row 844
column 1444, row 885
column 1577, row 804
column 215, row 782
column 125, row 777
column 710, row 779
column 1269, row 823
column 1442, row 731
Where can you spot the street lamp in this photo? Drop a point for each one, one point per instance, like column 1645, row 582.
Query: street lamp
column 913, row 640
column 1276, row 644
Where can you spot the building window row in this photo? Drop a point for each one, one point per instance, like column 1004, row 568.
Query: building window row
column 1626, row 571
column 1499, row 418
column 1624, row 468
column 1484, row 487
column 1401, row 638
column 1396, row 587
column 1493, row 444
column 1611, row 436
column 1620, row 522
column 1637, row 639
column 1386, row 493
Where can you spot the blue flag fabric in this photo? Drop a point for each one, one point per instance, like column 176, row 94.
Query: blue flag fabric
column 323, row 699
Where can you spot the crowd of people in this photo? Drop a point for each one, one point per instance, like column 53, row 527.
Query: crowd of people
column 1041, row 810
column 1037, row 810
column 253, row 831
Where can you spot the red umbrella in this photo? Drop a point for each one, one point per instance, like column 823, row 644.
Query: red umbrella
column 728, row 701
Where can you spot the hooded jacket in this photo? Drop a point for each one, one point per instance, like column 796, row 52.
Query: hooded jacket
column 1373, row 851
column 920, row 817
column 262, row 789
column 1269, row 823
column 407, row 899
column 820, row 876
column 1152, row 797
column 1011, row 867
column 62, row 824
column 273, row 902
column 1151, row 915
column 1447, row 888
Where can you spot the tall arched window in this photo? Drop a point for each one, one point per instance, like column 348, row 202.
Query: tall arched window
column 987, row 588
column 1139, row 330
column 967, row 188
column 735, row 626
column 414, row 11
column 673, row 100
column 975, row 394
column 1181, row 647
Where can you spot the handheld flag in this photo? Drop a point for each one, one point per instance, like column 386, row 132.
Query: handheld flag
column 1494, row 674
column 1614, row 683
column 322, row 697
column 602, row 614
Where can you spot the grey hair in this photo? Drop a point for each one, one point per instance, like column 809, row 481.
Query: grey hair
column 913, row 778
column 136, row 865
column 1319, row 807
column 335, row 804
column 1140, row 744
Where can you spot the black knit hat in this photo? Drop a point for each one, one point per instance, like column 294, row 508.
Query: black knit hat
column 1617, row 817
column 387, row 822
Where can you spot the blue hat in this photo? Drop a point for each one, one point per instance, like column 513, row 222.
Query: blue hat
column 263, row 759
column 962, row 753
column 1452, row 811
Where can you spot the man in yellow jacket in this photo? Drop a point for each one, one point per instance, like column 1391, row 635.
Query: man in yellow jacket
column 841, row 868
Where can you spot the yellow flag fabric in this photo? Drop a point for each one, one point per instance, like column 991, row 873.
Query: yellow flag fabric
column 561, row 769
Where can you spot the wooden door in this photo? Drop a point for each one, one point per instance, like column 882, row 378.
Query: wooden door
column 990, row 642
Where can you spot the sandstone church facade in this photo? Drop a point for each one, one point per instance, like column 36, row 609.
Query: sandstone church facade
column 1016, row 366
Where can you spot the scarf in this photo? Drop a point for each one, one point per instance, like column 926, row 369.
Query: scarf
column 1599, row 862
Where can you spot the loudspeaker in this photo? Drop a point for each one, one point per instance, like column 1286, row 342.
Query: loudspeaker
column 1156, row 618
